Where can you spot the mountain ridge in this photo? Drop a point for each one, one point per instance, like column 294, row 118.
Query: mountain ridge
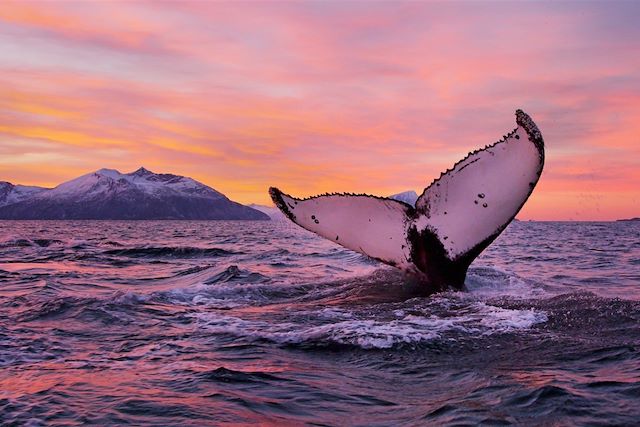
column 110, row 194
column 273, row 212
column 409, row 197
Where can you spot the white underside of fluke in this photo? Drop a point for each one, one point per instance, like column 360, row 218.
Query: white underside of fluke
column 481, row 194
column 369, row 225
column 466, row 208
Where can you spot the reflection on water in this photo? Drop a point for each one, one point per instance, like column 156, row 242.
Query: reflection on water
column 196, row 323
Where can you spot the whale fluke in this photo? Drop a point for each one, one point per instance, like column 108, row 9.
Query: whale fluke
column 453, row 221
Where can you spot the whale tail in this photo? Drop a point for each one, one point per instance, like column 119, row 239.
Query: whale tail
column 453, row 221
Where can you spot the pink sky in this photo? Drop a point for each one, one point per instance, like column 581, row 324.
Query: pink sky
column 323, row 96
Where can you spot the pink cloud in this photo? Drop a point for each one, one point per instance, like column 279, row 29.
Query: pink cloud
column 315, row 97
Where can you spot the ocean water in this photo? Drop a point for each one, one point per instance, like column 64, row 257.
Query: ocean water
column 208, row 323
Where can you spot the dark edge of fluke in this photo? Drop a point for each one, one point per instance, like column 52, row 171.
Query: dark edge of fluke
column 456, row 269
column 522, row 119
column 276, row 196
column 441, row 271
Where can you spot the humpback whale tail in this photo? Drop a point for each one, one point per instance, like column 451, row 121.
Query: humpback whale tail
column 452, row 222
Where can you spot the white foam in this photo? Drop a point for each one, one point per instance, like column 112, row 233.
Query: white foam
column 505, row 320
column 477, row 319
column 334, row 313
column 493, row 282
column 226, row 295
column 129, row 297
column 211, row 302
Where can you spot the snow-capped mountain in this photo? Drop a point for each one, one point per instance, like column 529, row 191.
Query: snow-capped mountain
column 109, row 194
column 409, row 197
column 10, row 193
column 273, row 212
column 110, row 181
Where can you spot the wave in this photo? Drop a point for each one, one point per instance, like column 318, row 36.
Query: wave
column 25, row 242
column 226, row 375
column 51, row 308
column 235, row 274
column 286, row 314
column 371, row 333
column 175, row 252
column 495, row 282
column 230, row 288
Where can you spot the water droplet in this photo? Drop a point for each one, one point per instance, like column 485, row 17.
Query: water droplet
column 484, row 205
column 481, row 195
column 475, row 201
column 317, row 222
column 313, row 217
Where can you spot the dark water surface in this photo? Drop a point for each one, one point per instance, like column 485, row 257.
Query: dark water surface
column 206, row 323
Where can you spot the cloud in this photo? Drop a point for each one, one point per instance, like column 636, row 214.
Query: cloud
column 317, row 96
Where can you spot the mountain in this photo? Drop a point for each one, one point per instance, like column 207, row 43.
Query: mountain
column 109, row 194
column 10, row 193
column 409, row 197
column 273, row 212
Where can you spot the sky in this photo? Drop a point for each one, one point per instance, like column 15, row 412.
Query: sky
column 314, row 97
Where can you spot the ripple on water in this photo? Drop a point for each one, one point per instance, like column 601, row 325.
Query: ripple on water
column 202, row 323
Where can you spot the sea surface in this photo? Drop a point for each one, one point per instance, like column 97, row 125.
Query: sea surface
column 208, row 323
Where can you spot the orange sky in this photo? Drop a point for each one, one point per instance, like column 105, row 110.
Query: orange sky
column 323, row 96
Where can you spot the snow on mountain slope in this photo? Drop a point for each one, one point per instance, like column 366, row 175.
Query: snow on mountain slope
column 10, row 193
column 109, row 181
column 109, row 194
column 273, row 212
column 409, row 197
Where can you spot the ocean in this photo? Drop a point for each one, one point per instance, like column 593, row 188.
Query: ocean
column 175, row 323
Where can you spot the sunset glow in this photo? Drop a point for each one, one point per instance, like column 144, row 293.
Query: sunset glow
column 315, row 97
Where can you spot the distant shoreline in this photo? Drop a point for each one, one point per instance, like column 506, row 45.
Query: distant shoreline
column 133, row 219
column 277, row 220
